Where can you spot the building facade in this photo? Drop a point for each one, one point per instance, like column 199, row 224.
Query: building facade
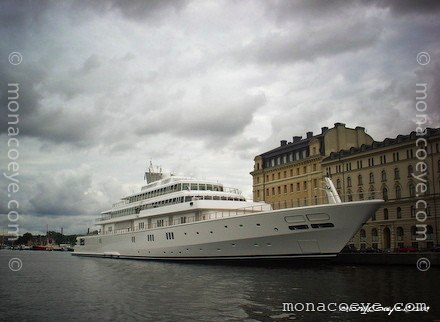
column 405, row 172
column 291, row 175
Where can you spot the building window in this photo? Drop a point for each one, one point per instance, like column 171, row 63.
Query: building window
column 361, row 194
column 384, row 175
column 285, row 188
column 413, row 232
column 374, row 235
column 183, row 219
column 385, row 214
column 305, row 185
column 410, row 170
column 291, row 187
column 413, row 212
column 412, row 190
column 429, row 232
column 399, row 213
column 398, row 192
column 338, row 183
column 360, row 180
column 385, row 194
column 371, row 177
column 396, row 174
column 133, row 239
column 349, row 196
column 142, row 225
column 298, row 186
column 267, row 191
column 363, row 235
column 349, row 182
column 159, row 223
column 399, row 233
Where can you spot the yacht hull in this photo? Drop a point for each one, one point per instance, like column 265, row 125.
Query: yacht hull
column 305, row 232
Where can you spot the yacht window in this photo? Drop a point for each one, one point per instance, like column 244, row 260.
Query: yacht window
column 187, row 198
column 216, row 198
column 193, row 186
column 208, row 198
column 202, row 186
column 298, row 227
column 185, row 186
column 324, row 225
column 209, row 187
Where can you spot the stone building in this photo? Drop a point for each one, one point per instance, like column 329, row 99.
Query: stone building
column 405, row 172
column 397, row 170
column 291, row 174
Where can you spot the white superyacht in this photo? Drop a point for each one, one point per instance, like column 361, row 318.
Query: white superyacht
column 179, row 218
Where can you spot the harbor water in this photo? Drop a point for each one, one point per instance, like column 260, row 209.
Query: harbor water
column 55, row 286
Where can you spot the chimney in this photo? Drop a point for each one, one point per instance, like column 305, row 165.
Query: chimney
column 339, row 124
column 296, row 138
column 360, row 129
column 309, row 134
column 283, row 142
column 324, row 129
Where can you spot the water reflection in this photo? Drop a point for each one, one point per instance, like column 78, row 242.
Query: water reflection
column 57, row 286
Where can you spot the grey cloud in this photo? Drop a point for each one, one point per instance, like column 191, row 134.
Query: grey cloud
column 136, row 9
column 315, row 42
column 209, row 119
column 409, row 7
column 289, row 11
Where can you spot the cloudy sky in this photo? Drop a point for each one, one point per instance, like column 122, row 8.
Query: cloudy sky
column 198, row 87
